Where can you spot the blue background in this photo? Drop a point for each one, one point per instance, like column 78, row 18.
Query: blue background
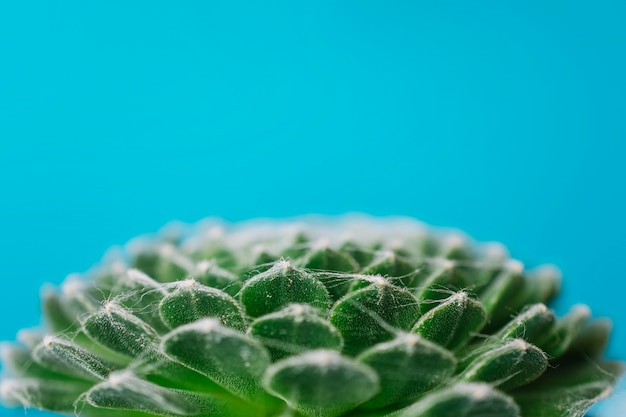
column 504, row 119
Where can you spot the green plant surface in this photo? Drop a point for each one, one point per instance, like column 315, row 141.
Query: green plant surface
column 313, row 317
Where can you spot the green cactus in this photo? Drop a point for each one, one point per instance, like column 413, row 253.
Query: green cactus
column 315, row 317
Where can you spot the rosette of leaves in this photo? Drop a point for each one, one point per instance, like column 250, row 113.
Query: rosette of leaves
column 315, row 317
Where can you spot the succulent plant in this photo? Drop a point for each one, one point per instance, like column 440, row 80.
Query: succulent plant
column 313, row 317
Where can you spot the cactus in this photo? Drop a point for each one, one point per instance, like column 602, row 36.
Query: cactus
column 314, row 317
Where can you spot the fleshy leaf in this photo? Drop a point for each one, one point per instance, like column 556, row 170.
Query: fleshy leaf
column 533, row 325
column 568, row 391
column 407, row 366
column 56, row 315
column 465, row 399
column 230, row 358
column 452, row 323
column 216, row 251
column 324, row 263
column 327, row 259
column 209, row 273
column 140, row 294
column 511, row 365
column 117, row 329
column 298, row 247
column 190, row 301
column 57, row 396
column 540, row 285
column 79, row 297
column 293, row 330
column 280, row 286
column 566, row 330
column 390, row 264
column 432, row 282
column 592, row 339
column 67, row 358
column 19, row 361
column 498, row 293
column 162, row 262
column 321, row 383
column 125, row 391
column 363, row 256
column 371, row 314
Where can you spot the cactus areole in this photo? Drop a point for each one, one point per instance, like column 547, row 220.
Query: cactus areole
column 318, row 317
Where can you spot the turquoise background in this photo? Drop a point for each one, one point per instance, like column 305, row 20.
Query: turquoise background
column 504, row 119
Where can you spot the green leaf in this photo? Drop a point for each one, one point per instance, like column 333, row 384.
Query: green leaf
column 432, row 282
column 58, row 396
column 67, row 358
column 125, row 391
column 566, row 330
column 280, row 286
column 217, row 252
column 390, row 264
column 162, row 262
column 363, row 256
column 407, row 367
column 189, row 301
column 115, row 328
column 210, row 274
column 497, row 295
column 321, row 383
column 293, row 330
column 591, row 340
column 140, row 294
column 533, row 325
column 327, row 259
column 466, row 400
column 19, row 362
column 230, row 358
column 428, row 244
column 540, row 285
column 455, row 246
column 511, row 365
column 324, row 263
column 298, row 248
column 134, row 286
column 452, row 323
column 373, row 314
column 79, row 297
column 263, row 260
column 56, row 315
column 569, row 391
